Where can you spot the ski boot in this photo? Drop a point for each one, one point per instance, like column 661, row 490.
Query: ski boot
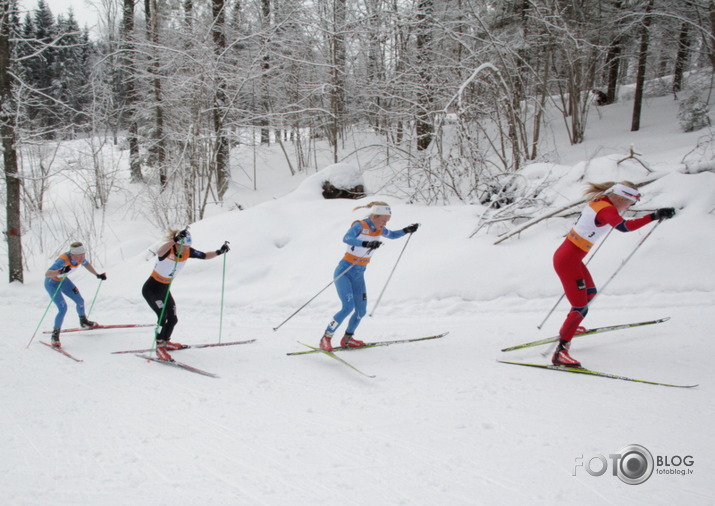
column 169, row 345
column 325, row 341
column 161, row 352
column 55, row 340
column 562, row 358
column 86, row 324
column 349, row 342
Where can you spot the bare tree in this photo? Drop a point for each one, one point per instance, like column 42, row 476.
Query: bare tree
column 338, row 75
column 642, row 60
column 266, row 67
column 681, row 59
column 157, row 147
column 221, row 152
column 425, row 93
column 13, row 232
column 130, row 91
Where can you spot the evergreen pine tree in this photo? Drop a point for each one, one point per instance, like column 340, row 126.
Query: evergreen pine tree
column 71, row 72
column 39, row 34
column 55, row 59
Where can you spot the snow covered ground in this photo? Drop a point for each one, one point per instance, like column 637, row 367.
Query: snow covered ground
column 443, row 422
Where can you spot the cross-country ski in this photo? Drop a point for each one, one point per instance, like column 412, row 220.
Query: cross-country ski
column 373, row 344
column 335, row 357
column 180, row 365
column 62, row 351
column 104, row 327
column 589, row 332
column 581, row 370
column 191, row 346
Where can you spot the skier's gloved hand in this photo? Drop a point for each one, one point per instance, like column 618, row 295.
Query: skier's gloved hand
column 181, row 235
column 65, row 269
column 411, row 229
column 102, row 276
column 664, row 213
column 371, row 244
column 223, row 249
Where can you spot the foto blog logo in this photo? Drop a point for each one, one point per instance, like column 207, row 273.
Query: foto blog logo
column 633, row 464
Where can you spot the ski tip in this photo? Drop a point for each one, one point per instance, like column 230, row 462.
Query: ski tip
column 149, row 358
column 59, row 349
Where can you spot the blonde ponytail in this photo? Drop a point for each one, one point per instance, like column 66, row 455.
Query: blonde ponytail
column 368, row 206
column 595, row 191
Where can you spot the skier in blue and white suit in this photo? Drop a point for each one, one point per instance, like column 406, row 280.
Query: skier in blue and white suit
column 362, row 241
column 58, row 286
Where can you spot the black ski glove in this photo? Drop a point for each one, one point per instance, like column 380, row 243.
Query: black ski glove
column 102, row 276
column 664, row 213
column 65, row 269
column 181, row 235
column 411, row 229
column 223, row 249
column 371, row 244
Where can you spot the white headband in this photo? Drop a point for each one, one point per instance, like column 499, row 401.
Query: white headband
column 626, row 192
column 77, row 250
column 381, row 210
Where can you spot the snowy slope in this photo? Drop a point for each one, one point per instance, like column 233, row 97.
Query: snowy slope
column 442, row 422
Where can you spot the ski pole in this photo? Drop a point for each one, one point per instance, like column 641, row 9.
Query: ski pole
column 623, row 263
column 548, row 315
column 223, row 285
column 316, row 295
column 95, row 297
column 52, row 299
column 390, row 276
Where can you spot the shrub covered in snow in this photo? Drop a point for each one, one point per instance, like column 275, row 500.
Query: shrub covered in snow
column 693, row 113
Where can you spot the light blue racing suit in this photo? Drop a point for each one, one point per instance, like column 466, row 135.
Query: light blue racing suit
column 67, row 287
column 351, row 284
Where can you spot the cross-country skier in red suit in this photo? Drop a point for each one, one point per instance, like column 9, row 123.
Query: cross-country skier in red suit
column 606, row 203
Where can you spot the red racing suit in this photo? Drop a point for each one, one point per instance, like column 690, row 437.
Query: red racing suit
column 594, row 222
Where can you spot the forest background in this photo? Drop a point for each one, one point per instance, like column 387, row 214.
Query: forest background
column 453, row 92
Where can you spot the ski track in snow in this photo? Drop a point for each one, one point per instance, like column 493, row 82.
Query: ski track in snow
column 442, row 422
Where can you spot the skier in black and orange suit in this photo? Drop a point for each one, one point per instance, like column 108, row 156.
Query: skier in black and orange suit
column 171, row 258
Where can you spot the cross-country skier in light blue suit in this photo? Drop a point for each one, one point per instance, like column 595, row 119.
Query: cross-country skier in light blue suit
column 362, row 241
column 55, row 278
